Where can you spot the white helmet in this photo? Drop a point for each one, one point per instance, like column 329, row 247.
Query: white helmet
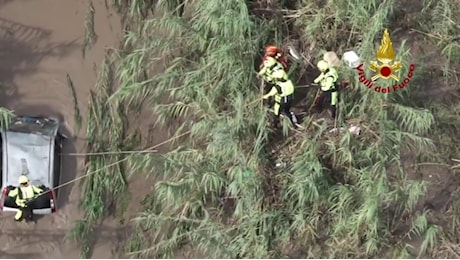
column 322, row 65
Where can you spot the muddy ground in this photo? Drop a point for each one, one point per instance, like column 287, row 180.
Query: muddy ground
column 41, row 41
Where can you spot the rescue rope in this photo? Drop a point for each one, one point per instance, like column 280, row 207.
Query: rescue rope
column 108, row 153
column 150, row 149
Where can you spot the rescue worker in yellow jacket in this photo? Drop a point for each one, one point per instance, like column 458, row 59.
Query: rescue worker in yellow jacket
column 283, row 93
column 328, row 83
column 273, row 60
column 24, row 195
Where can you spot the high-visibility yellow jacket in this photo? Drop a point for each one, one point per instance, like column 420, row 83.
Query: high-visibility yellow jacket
column 327, row 79
column 281, row 88
column 22, row 194
column 269, row 65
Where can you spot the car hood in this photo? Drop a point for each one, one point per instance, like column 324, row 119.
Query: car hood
column 28, row 154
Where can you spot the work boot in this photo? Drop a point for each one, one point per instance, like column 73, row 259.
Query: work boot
column 30, row 217
column 294, row 120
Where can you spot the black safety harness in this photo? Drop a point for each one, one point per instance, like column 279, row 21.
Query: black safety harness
column 336, row 86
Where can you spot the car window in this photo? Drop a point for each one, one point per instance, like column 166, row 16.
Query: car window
column 26, row 124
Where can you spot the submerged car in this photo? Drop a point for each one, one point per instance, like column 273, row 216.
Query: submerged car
column 31, row 146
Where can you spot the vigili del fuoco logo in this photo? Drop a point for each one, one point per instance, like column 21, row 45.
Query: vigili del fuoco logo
column 385, row 68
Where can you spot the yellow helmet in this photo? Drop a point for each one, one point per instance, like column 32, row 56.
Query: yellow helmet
column 279, row 74
column 23, row 179
column 322, row 65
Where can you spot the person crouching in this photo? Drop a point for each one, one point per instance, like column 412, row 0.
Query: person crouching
column 24, row 196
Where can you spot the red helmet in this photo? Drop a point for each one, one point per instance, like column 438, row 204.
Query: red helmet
column 271, row 50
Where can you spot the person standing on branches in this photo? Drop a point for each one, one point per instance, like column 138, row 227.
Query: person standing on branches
column 283, row 93
column 328, row 82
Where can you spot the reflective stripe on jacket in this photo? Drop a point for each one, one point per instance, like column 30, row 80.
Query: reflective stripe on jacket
column 281, row 88
column 269, row 65
column 328, row 79
column 24, row 193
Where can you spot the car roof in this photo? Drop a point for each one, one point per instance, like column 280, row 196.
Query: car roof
column 28, row 148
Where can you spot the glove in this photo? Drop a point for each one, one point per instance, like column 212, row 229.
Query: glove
column 318, row 79
column 21, row 203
